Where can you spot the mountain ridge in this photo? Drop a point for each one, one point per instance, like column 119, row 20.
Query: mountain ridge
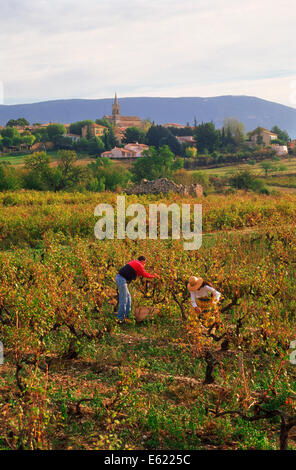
column 250, row 110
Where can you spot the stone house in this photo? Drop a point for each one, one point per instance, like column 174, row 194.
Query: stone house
column 128, row 151
column 137, row 148
column 262, row 136
column 94, row 130
column 73, row 137
column 186, row 139
column 174, row 125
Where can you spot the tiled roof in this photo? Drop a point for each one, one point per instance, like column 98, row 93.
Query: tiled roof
column 138, row 146
column 97, row 126
column 263, row 130
column 172, row 124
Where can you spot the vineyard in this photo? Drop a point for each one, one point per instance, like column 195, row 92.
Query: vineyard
column 73, row 378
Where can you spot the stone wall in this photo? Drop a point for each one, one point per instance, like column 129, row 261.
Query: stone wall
column 163, row 185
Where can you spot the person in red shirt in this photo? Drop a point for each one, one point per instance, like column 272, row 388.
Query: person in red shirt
column 125, row 276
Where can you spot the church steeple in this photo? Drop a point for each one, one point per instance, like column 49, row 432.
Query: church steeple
column 116, row 111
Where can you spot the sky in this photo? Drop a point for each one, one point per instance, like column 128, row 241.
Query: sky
column 61, row 49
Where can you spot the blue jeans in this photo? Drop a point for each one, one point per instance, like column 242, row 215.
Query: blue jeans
column 125, row 300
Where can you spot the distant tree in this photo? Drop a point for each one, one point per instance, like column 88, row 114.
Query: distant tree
column 283, row 136
column 10, row 132
column 109, row 139
column 134, row 134
column 201, row 178
column 75, row 127
column 178, row 164
column 63, row 142
column 66, row 159
column 259, row 186
column 95, row 146
column 172, row 142
column 37, row 161
column 234, row 130
column 66, row 175
column 11, row 123
column 248, row 181
column 181, row 131
column 7, row 142
column 155, row 163
column 227, row 141
column 282, row 167
column 34, row 180
column 102, row 162
column 26, row 132
column 75, row 180
column 39, row 171
column 106, row 176
column 41, row 134
column 81, row 145
column 104, row 122
column 190, row 152
column 267, row 167
column 28, row 139
column 207, row 137
column 22, row 122
column 156, row 134
column 55, row 131
column 9, row 179
column 17, row 141
column 146, row 123
column 242, row 179
column 115, row 177
column 259, row 138
column 216, row 156
column 275, row 157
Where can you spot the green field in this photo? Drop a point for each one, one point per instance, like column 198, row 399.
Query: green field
column 284, row 181
column 19, row 159
column 290, row 163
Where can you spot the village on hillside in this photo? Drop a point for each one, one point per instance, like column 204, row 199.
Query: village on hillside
column 33, row 155
column 19, row 135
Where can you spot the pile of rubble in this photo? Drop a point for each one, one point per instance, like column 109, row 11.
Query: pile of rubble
column 163, row 185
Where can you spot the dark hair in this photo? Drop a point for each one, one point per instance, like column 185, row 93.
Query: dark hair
column 141, row 258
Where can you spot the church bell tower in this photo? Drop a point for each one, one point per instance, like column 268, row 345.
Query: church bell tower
column 116, row 111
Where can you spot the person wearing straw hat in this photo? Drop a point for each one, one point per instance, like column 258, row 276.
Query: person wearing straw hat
column 203, row 296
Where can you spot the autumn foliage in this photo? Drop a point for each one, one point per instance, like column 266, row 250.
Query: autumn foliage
column 58, row 300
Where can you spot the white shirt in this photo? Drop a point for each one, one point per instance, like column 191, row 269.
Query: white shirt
column 204, row 292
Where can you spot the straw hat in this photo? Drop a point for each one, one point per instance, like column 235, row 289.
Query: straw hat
column 194, row 283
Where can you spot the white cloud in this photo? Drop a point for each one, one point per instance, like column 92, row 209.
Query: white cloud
column 72, row 49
